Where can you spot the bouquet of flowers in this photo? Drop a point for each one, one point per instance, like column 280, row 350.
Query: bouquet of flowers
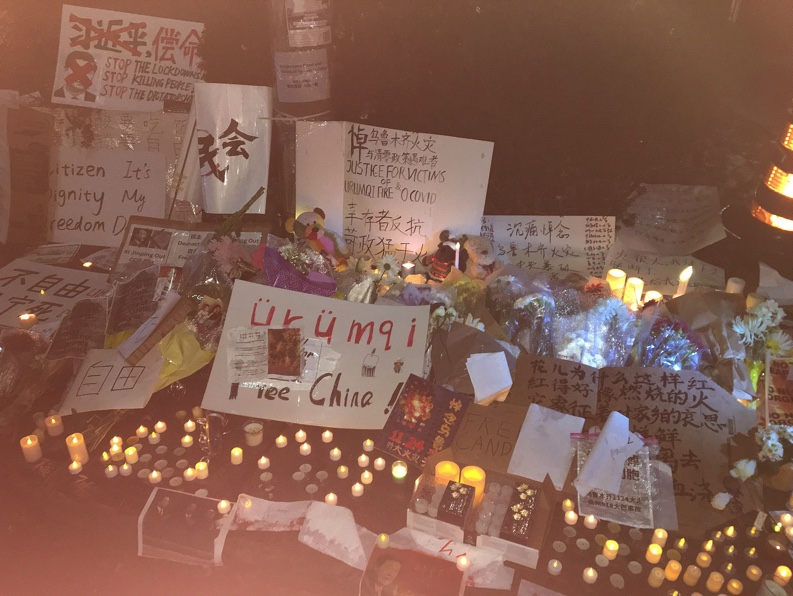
column 529, row 323
column 759, row 331
column 360, row 281
column 669, row 343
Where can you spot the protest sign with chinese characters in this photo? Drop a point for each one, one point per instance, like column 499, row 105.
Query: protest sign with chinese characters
column 120, row 61
column 365, row 354
column 554, row 244
column 391, row 191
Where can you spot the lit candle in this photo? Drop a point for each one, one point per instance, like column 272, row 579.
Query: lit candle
column 331, row 499
column 633, row 293
column 141, row 432
column 715, row 581
column 718, row 536
column 704, row 560
column 125, row 469
column 31, row 449
column 300, row 436
column 590, row 575
column 154, row 438
column 189, row 426
column 789, row 533
column 653, row 554
column 709, row 547
column 379, row 464
column 554, row 567
column 363, row 460
column 160, row 427
column 342, row 471
column 476, row 477
column 327, row 437
column 27, row 320
column 399, row 470
column 155, row 477
column 652, row 296
column 236, row 456
column 590, row 522
column 408, row 268
column 752, row 532
column 335, row 454
column 357, row 489
column 730, row 532
column 224, row 507
column 201, row 470
column 105, row 457
column 263, row 463
column 116, row 453
column 254, row 433
column 786, row 519
column 571, row 518
column 446, row 472
column 656, row 577
column 189, row 474
column 75, row 467
column 616, row 280
column 567, row 505
column 463, row 562
column 682, row 285
column 383, row 540
column 754, row 573
column 305, row 449
column 280, row 441
column 131, row 455
column 54, row 425
column 366, row 477
column 117, row 441
column 735, row 285
column 734, row 586
column 672, row 571
column 111, row 471
column 782, row 575
column 75, row 443
column 610, row 549
column 368, row 445
column 681, row 545
column 728, row 569
column 187, row 441
column 659, row 537
column 692, row 575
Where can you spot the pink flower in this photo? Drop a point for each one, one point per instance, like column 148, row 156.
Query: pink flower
column 228, row 253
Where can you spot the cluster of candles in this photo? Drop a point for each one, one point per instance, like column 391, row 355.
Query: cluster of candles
column 630, row 289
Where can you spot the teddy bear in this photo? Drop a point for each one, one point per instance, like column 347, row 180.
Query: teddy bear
column 309, row 227
column 480, row 258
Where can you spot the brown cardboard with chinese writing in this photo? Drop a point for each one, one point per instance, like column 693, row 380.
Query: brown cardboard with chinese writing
column 488, row 434
column 561, row 385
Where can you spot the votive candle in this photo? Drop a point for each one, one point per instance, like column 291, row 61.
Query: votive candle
column 366, row 477
column 692, row 575
column 653, row 554
column 672, row 570
column 54, row 424
column 611, row 549
column 715, row 581
column 131, row 455
column 704, row 560
column 782, row 575
column 399, row 470
column 280, row 441
column 659, row 537
column 734, row 587
column 357, row 489
column 754, row 573
column 656, row 577
column 616, row 281
column 554, row 567
column 590, row 522
column 142, row 432
column 379, row 464
column 236, row 456
column 342, row 472
column 263, row 463
column 254, row 433
column 201, row 470
column 590, row 575
column 31, row 448
column 331, row 499
column 327, row 437
column 75, row 443
column 335, row 454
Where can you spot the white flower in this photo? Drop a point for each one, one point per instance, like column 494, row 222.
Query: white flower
column 388, row 267
column 771, row 451
column 768, row 311
column 743, row 469
column 749, row 328
column 720, row 500
column 779, row 343
column 786, row 433
column 475, row 323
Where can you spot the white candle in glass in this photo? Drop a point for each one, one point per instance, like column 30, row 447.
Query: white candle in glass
column 236, row 456
column 54, row 424
column 111, row 471
column 357, row 489
column 254, row 433
column 335, row 454
column 327, row 437
column 201, row 470
column 616, row 280
column 633, row 292
column 131, row 455
column 31, row 448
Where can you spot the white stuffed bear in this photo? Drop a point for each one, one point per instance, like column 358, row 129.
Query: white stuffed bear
column 480, row 258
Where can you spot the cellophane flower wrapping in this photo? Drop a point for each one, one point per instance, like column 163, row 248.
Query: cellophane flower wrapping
column 664, row 342
column 291, row 267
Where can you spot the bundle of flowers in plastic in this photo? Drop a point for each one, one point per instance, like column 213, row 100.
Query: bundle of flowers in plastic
column 363, row 280
column 669, row 343
column 292, row 267
column 502, row 292
column 530, row 323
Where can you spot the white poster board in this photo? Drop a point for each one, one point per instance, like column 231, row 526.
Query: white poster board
column 391, row 191
column 365, row 353
column 120, row 61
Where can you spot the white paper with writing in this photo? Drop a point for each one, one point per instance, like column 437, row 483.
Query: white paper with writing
column 247, row 354
column 142, row 333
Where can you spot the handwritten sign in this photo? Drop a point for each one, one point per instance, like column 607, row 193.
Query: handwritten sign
column 377, row 347
column 488, row 434
column 94, row 193
column 670, row 219
column 120, row 61
column 554, row 244
column 778, row 399
column 391, row 191
column 47, row 291
column 561, row 385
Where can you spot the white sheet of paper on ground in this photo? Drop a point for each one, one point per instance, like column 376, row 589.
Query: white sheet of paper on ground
column 261, row 515
column 528, row 588
column 490, row 376
column 773, row 285
column 106, row 382
column 603, row 468
column 134, row 341
column 332, row 531
column 544, row 446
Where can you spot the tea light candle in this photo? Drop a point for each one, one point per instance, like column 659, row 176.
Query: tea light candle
column 734, row 586
column 142, row 432
column 131, row 455
column 254, row 433
column 368, row 445
column 105, row 457
column 31, row 449
column 715, row 581
column 730, row 550
column 656, row 577
column 446, row 472
column 335, row 454
column 300, row 436
column 379, row 464
column 189, row 474
column 730, row 532
column 111, row 471
column 554, row 567
column 718, row 536
column 752, row 532
column 331, row 499
column 305, row 449
column 786, row 519
column 728, row 569
column 653, row 554
column 327, row 437
column 125, row 470
column 672, row 570
column 782, row 575
column 224, row 507
column 187, row 441
column 363, row 460
column 681, row 545
column 342, row 472
column 709, row 547
column 590, row 575
column 201, row 470
column 463, row 562
column 754, row 573
column 154, row 438
column 75, row 443
column 590, row 522
column 116, row 453
column 610, row 549
column 659, row 537
column 160, row 427
column 263, row 463
column 27, row 320
column 383, row 540
column 236, row 456
column 117, row 441
column 366, row 477
column 570, row 518
column 616, row 281
column 75, row 467
column 692, row 575
column 357, row 489
column 735, row 285
column 155, row 477
column 704, row 560
column 280, row 441
column 54, row 425
column 399, row 470
column 189, row 426
column 567, row 505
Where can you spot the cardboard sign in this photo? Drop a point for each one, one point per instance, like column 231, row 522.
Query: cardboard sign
column 373, row 348
column 95, row 192
column 488, row 434
column 47, row 291
column 83, row 329
column 777, row 407
column 561, row 385
column 391, row 191
column 554, row 244
column 120, row 61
